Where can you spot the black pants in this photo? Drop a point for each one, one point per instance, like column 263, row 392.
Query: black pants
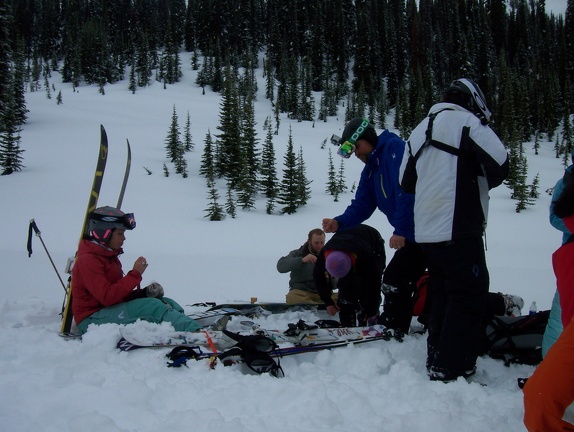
column 458, row 286
column 399, row 282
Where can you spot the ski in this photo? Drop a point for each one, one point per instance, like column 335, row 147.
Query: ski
column 250, row 310
column 126, row 176
column 67, row 317
column 271, row 307
column 301, row 340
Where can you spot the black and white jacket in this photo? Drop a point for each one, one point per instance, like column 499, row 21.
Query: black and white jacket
column 451, row 176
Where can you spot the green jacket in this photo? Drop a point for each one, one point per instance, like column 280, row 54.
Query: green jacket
column 301, row 273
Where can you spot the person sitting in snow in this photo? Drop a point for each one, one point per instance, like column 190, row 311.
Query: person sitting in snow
column 300, row 263
column 356, row 257
column 103, row 293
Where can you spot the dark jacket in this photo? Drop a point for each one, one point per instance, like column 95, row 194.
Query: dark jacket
column 363, row 282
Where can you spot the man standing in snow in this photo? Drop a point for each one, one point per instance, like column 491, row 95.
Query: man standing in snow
column 356, row 258
column 453, row 158
column 379, row 188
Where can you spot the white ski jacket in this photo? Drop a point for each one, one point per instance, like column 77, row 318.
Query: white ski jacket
column 452, row 174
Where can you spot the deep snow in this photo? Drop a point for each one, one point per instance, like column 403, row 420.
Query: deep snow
column 51, row 384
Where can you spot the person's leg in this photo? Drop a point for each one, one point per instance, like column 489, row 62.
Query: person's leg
column 466, row 288
column 436, row 300
column 147, row 309
column 549, row 392
column 399, row 282
column 297, row 296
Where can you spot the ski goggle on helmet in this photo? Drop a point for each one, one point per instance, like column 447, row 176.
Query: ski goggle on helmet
column 104, row 220
column 349, row 139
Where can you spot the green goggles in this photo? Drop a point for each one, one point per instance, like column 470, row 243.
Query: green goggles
column 348, row 147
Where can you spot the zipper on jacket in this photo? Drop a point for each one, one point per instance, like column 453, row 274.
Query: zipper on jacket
column 382, row 185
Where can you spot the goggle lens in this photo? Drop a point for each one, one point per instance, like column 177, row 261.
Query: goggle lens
column 130, row 220
column 346, row 149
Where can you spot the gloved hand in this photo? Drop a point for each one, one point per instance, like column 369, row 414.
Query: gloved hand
column 154, row 289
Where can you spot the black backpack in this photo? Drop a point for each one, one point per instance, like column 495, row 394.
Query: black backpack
column 255, row 352
column 517, row 339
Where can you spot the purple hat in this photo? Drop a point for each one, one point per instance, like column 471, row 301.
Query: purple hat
column 338, row 263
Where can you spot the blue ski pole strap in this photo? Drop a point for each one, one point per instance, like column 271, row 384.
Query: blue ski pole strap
column 181, row 354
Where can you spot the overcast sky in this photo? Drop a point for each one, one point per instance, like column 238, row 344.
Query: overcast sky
column 556, row 6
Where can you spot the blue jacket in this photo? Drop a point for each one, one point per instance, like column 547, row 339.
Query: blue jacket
column 379, row 188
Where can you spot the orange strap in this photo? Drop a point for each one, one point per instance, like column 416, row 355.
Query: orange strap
column 213, row 358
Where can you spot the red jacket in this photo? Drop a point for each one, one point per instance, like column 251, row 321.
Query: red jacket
column 563, row 263
column 98, row 280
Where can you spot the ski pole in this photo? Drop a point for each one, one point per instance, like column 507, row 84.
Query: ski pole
column 34, row 227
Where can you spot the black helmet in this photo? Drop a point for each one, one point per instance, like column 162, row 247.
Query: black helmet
column 104, row 220
column 476, row 101
column 356, row 129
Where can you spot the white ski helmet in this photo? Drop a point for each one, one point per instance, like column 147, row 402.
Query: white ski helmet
column 477, row 101
column 104, row 220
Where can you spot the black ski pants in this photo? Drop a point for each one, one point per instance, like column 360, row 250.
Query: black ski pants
column 399, row 282
column 458, row 285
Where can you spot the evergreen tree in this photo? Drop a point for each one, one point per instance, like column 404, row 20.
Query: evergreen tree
column 132, row 79
column 229, row 158
column 214, row 211
column 230, row 207
column 6, row 23
column 567, row 139
column 341, row 186
column 187, row 140
column 172, row 142
column 10, row 152
column 207, row 169
column 332, row 186
column 534, row 193
column 289, row 190
column 268, row 171
column 304, row 191
column 18, row 81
